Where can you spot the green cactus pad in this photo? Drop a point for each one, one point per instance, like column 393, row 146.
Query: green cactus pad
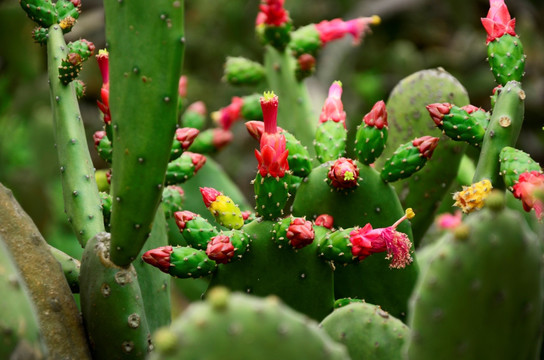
column 241, row 326
column 515, row 162
column 198, row 232
column 330, row 141
column 180, row 170
column 305, row 40
column 497, row 267
column 462, row 126
column 404, row 162
column 370, row 143
column 271, row 195
column 367, row 331
column 242, row 71
column 66, row 8
column 186, row 262
column 277, row 36
column 42, row 12
column 506, row 59
column 298, row 158
column 345, row 302
column 251, row 107
column 172, row 201
column 336, row 247
column 240, row 240
column 81, row 47
column 40, row 35
column 193, row 119
column 203, row 144
column 104, row 149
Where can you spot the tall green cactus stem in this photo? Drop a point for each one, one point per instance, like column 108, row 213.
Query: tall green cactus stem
column 19, row 328
column 244, row 327
column 81, row 199
column 112, row 303
column 367, row 331
column 496, row 263
column 70, row 268
column 146, row 48
column 408, row 119
column 295, row 112
column 59, row 318
column 503, row 130
column 372, row 279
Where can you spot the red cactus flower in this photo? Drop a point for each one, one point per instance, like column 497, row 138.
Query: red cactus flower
column 300, row 233
column 229, row 114
column 273, row 13
column 221, row 138
column 104, row 103
column 306, row 62
column 325, row 220
column 220, row 249
column 255, row 128
column 272, row 158
column 367, row 241
column 498, row 21
column 198, row 107
column 333, row 109
column 98, row 136
column 530, row 189
column 198, row 160
column 209, row 195
column 182, row 86
column 343, row 174
column 437, row 112
column 426, row 145
column 338, row 28
column 181, row 218
column 159, row 257
column 186, row 136
column 377, row 117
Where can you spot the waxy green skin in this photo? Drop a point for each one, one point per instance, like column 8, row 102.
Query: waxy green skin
column 144, row 63
column 499, row 269
column 513, row 163
column 330, row 141
column 371, row 279
column 242, row 326
column 80, row 193
column 240, row 71
column 462, row 126
column 70, row 266
column 506, row 59
column 408, row 119
column 367, row 331
column 503, row 130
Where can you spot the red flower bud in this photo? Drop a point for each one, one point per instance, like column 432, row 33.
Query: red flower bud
column 98, row 136
column 181, row 218
column 209, row 195
column 426, row 145
column 529, row 189
column 498, row 21
column 159, row 258
column 343, row 174
column 198, row 160
column 377, row 116
column 274, row 13
column 221, row 138
column 333, row 109
column 198, row 107
column 337, row 28
column 182, row 86
column 186, row 136
column 300, row 233
column 325, row 220
column 437, row 112
column 306, row 62
column 229, row 114
column 220, row 249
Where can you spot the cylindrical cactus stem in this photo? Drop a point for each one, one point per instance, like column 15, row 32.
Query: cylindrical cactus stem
column 224, row 210
column 141, row 143
column 81, row 199
column 211, row 141
column 70, row 268
column 184, row 167
column 241, row 71
column 194, row 116
column 513, row 163
column 103, row 145
column 183, row 138
column 180, row 261
column 273, row 24
column 172, row 200
column 196, row 230
column 504, row 48
column 467, row 123
column 294, row 232
column 503, row 130
column 372, row 134
column 331, row 134
column 310, row 38
column 409, row 158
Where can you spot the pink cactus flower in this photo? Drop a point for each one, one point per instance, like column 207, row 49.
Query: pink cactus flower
column 325, row 220
column 437, row 112
column 272, row 158
column 220, row 249
column 159, row 257
column 333, row 109
column 498, row 21
column 377, row 117
column 104, row 103
column 182, row 86
column 367, row 241
column 338, row 28
column 426, row 145
column 300, row 233
column 449, row 221
column 272, row 13
column 229, row 114
column 198, row 107
column 186, row 136
column 182, row 217
column 343, row 174
column 530, row 190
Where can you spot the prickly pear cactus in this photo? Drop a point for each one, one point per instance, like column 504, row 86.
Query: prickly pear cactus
column 367, row 331
column 243, row 327
column 495, row 260
column 409, row 119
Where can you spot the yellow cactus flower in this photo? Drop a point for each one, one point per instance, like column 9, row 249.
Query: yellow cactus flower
column 473, row 197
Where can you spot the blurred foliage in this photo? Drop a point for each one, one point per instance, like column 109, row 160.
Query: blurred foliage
column 414, row 35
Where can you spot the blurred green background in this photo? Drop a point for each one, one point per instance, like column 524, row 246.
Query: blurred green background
column 414, row 35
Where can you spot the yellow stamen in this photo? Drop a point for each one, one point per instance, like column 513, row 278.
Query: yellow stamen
column 268, row 95
column 472, row 197
column 348, row 176
column 409, row 213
